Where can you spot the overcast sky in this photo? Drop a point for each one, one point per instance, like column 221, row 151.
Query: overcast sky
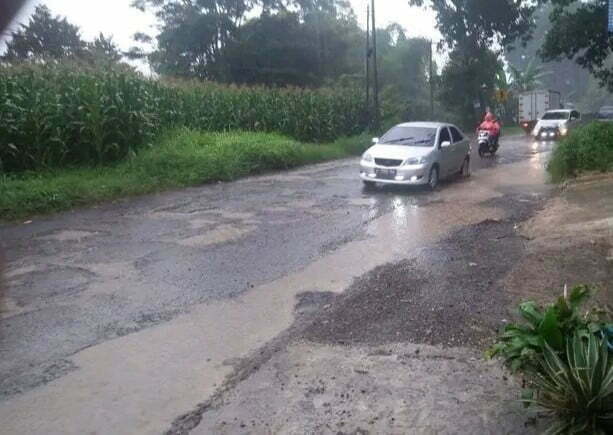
column 117, row 18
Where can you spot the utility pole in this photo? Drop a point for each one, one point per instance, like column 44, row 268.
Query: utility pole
column 376, row 72
column 431, row 86
column 368, row 62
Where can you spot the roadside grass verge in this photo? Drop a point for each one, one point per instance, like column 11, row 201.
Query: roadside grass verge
column 181, row 158
column 588, row 148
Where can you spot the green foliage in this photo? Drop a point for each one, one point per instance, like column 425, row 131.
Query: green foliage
column 480, row 22
column 45, row 36
column 564, row 356
column 574, row 83
column 579, row 32
column 466, row 79
column 588, row 148
column 529, row 78
column 287, row 49
column 179, row 158
column 62, row 115
column 576, row 387
column 48, row 39
column 403, row 68
column 226, row 41
column 520, row 345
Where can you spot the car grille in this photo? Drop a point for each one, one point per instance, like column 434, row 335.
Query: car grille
column 549, row 130
column 388, row 162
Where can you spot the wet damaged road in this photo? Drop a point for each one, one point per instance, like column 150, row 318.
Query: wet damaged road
column 124, row 316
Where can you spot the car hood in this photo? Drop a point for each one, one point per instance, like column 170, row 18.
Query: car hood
column 551, row 123
column 399, row 152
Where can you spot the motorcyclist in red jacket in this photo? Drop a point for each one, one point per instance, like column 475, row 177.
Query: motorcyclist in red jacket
column 491, row 124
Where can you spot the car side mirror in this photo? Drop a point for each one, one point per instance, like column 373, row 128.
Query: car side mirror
column 445, row 144
column 375, row 140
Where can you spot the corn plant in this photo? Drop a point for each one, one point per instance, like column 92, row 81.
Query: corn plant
column 58, row 115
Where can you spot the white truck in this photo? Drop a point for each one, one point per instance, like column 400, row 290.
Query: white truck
column 534, row 104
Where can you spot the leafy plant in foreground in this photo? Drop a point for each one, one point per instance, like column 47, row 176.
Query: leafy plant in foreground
column 576, row 388
column 522, row 344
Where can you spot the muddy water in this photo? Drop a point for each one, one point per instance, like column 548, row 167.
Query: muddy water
column 140, row 381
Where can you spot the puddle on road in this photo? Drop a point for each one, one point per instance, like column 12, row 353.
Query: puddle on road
column 68, row 235
column 221, row 234
column 201, row 222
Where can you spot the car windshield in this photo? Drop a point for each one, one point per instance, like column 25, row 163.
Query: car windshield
column 556, row 115
column 410, row 136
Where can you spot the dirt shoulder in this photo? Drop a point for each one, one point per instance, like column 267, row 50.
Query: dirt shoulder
column 569, row 242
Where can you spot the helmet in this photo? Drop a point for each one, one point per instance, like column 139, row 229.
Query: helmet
column 489, row 117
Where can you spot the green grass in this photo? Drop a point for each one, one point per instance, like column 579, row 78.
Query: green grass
column 181, row 158
column 588, row 148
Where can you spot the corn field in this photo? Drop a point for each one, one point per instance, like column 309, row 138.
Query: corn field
column 60, row 115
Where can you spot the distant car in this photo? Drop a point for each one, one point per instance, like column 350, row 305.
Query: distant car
column 556, row 123
column 416, row 153
column 605, row 114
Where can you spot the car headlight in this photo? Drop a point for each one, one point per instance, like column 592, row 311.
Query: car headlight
column 415, row 161
column 367, row 157
column 563, row 130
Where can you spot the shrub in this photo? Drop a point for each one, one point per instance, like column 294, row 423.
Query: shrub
column 521, row 344
column 576, row 388
column 588, row 148
column 58, row 115
column 564, row 357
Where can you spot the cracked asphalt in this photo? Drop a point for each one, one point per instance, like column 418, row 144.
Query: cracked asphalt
column 140, row 309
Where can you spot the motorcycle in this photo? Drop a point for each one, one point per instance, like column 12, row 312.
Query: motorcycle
column 487, row 143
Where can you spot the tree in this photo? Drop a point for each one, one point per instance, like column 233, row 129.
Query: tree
column 481, row 24
column 470, row 28
column 403, row 73
column 104, row 50
column 273, row 50
column 466, row 81
column 45, row 36
column 285, row 49
column 528, row 79
column 574, row 82
column 193, row 33
column 206, row 38
column 579, row 32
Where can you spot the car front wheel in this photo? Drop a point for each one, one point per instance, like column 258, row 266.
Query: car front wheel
column 465, row 169
column 433, row 179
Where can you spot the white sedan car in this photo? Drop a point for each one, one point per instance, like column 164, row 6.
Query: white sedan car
column 416, row 153
column 556, row 123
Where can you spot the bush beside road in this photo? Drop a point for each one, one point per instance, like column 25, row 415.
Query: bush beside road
column 589, row 148
column 181, row 158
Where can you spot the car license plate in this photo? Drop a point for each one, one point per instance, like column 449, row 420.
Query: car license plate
column 385, row 173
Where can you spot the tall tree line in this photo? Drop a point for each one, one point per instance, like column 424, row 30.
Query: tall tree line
column 47, row 37
column 304, row 43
